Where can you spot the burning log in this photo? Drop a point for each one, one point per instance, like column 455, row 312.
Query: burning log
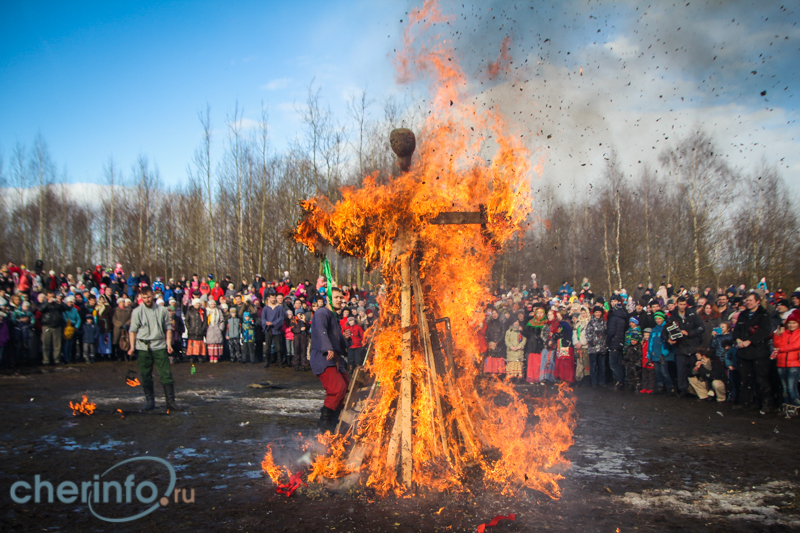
column 85, row 407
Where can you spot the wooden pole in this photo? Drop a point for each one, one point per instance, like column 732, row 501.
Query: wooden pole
column 405, row 375
column 427, row 347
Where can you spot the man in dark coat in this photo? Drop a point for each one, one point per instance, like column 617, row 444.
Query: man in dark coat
column 752, row 334
column 52, row 321
column 617, row 322
column 272, row 318
column 691, row 328
column 329, row 359
column 638, row 293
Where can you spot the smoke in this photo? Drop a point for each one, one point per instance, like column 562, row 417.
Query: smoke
column 580, row 77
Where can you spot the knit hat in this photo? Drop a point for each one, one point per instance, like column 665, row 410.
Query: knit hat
column 660, row 314
column 648, row 330
column 794, row 316
column 195, row 301
column 634, row 320
column 598, row 308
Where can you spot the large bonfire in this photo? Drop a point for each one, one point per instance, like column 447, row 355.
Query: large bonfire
column 466, row 429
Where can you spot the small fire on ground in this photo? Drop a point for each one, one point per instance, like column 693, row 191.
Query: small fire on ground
column 85, row 407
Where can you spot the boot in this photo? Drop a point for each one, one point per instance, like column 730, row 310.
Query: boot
column 335, row 420
column 325, row 417
column 169, row 396
column 149, row 397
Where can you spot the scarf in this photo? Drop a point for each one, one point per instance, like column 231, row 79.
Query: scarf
column 537, row 322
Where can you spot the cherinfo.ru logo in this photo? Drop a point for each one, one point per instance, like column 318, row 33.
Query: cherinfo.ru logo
column 133, row 493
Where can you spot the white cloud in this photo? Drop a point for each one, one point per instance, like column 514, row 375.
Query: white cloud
column 274, row 85
column 639, row 112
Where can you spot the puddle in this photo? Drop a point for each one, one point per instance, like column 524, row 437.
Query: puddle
column 593, row 461
column 68, row 444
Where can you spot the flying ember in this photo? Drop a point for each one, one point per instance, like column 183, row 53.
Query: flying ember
column 419, row 414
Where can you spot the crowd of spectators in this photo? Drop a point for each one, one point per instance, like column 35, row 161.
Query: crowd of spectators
column 53, row 319
column 735, row 345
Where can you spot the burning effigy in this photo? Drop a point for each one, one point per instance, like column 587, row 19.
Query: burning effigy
column 419, row 415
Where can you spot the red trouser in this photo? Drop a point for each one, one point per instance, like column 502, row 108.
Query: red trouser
column 335, row 384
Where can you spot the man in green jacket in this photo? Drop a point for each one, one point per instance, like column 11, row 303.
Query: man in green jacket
column 151, row 338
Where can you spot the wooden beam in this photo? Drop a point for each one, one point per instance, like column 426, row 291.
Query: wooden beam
column 406, row 461
column 458, row 217
column 425, row 341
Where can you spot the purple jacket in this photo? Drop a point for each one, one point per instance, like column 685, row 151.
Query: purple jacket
column 275, row 316
column 326, row 334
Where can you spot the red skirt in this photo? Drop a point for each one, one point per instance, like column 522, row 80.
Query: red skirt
column 215, row 350
column 565, row 364
column 196, row 348
column 495, row 365
column 534, row 368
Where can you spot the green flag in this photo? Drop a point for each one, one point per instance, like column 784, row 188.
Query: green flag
column 326, row 269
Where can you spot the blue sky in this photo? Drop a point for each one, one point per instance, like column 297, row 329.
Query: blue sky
column 122, row 78
column 117, row 79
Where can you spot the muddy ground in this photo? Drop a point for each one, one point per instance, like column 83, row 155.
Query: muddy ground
column 639, row 463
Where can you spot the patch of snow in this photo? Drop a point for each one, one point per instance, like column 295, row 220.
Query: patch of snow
column 715, row 500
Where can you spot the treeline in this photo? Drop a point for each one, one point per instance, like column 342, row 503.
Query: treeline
column 691, row 220
column 229, row 217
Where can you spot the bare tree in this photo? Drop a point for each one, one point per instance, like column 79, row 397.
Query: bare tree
column 112, row 178
column 43, row 169
column 202, row 160
column 707, row 186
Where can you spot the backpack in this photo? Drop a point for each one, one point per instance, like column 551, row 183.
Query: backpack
column 69, row 331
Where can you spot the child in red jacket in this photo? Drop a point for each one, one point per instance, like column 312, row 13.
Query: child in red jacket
column 787, row 353
column 355, row 334
column 648, row 367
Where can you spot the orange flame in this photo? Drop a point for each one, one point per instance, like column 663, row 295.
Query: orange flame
column 85, row 407
column 133, row 382
column 268, row 466
column 121, row 414
column 486, row 427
